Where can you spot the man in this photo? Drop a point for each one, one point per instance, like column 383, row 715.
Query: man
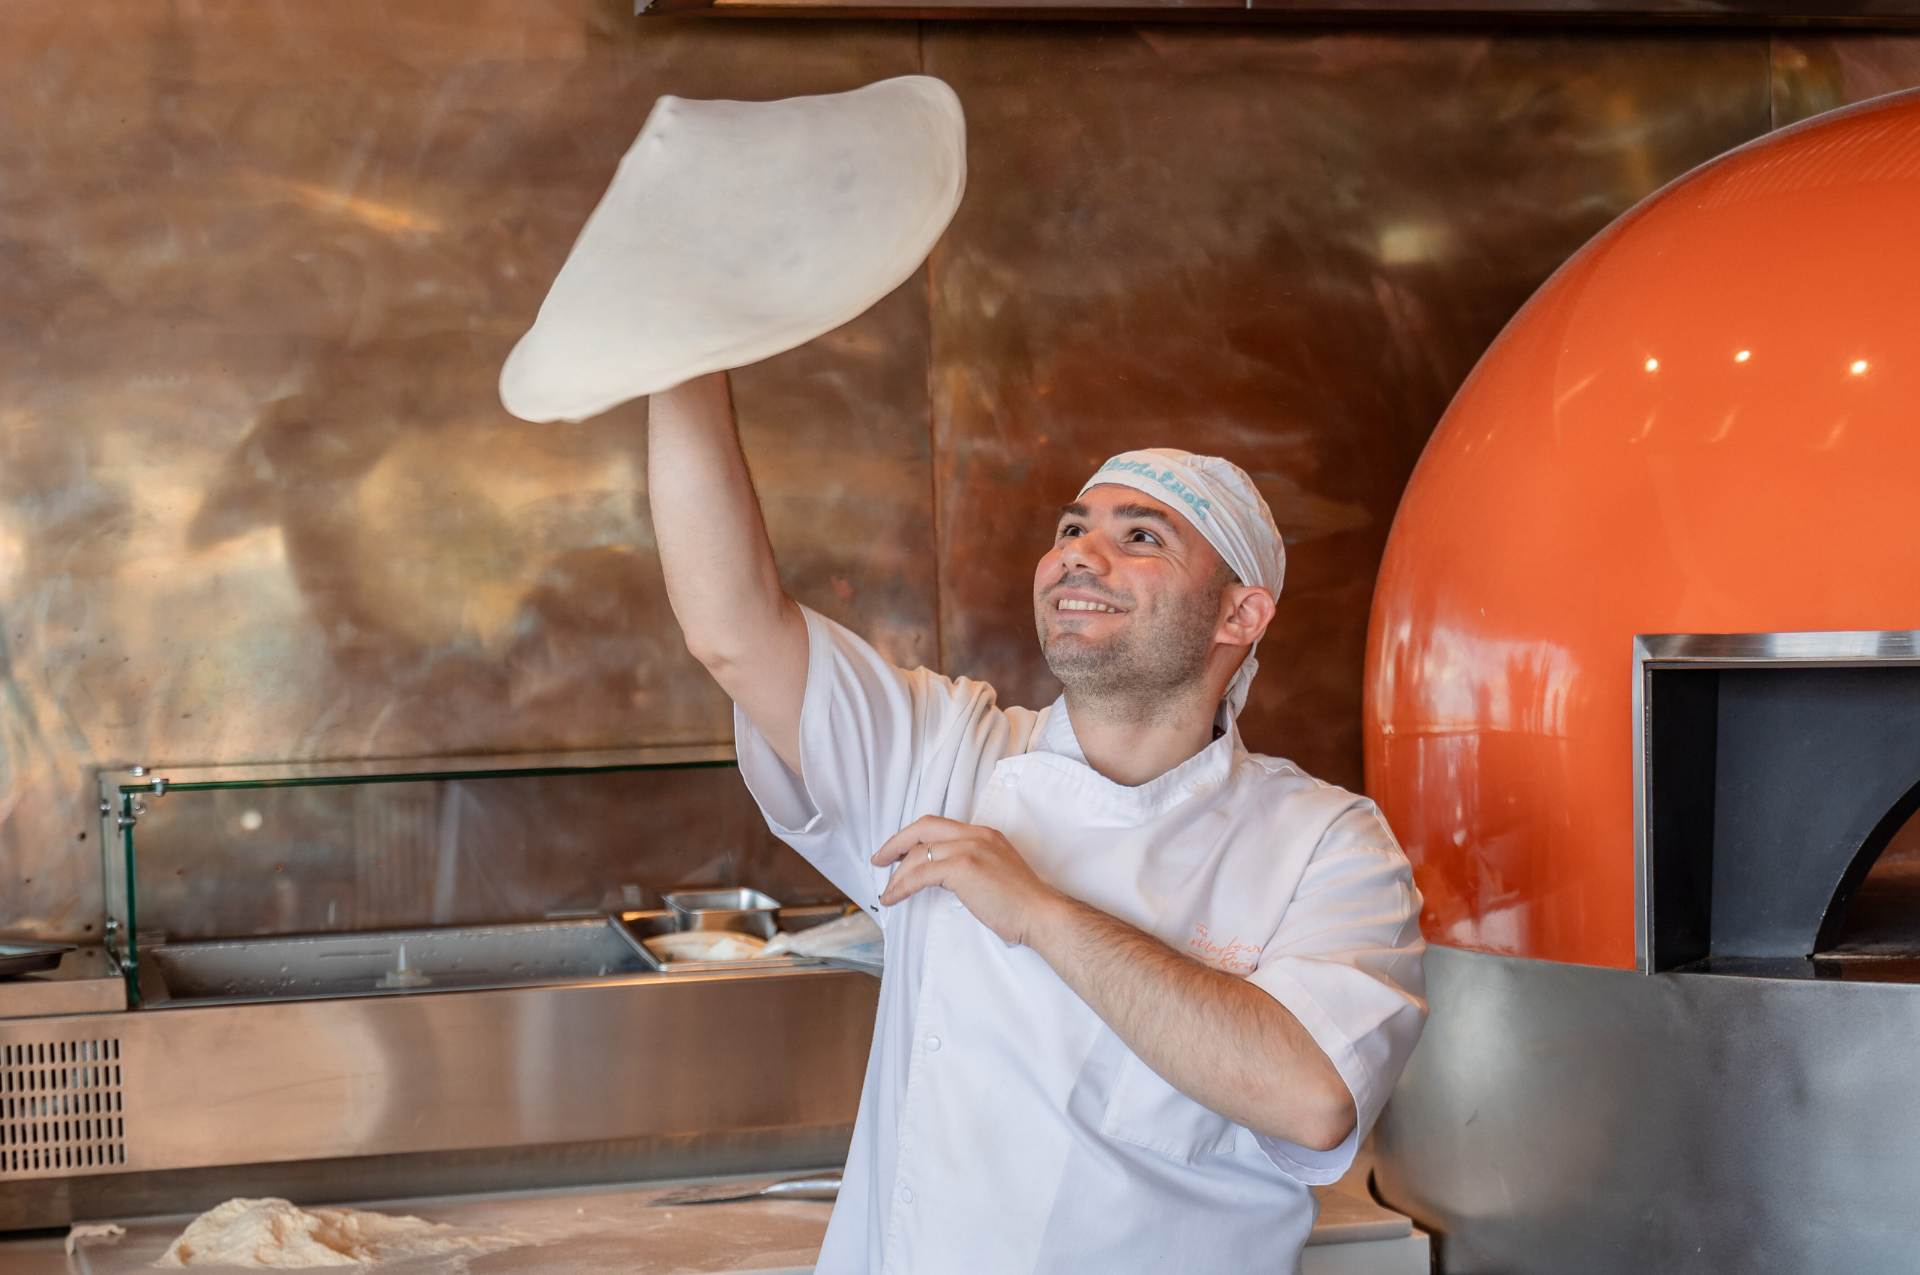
column 1142, row 988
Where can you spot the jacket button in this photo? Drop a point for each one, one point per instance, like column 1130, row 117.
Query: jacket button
column 933, row 1044
column 906, row 1195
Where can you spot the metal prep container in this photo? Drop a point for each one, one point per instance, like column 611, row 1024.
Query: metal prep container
column 30, row 958
column 638, row 927
column 747, row 911
column 319, row 966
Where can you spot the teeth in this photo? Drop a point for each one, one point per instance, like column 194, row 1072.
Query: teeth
column 1074, row 604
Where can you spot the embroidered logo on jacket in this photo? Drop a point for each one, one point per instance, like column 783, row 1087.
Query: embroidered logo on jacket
column 1232, row 956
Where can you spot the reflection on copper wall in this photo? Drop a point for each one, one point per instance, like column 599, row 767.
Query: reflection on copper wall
column 1285, row 249
column 258, row 500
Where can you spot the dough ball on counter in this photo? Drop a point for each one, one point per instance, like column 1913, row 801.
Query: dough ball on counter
column 272, row 1234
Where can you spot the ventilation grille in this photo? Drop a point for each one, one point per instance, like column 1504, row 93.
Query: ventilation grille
column 60, row 1108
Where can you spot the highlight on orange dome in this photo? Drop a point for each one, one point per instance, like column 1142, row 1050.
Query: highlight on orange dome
column 1708, row 421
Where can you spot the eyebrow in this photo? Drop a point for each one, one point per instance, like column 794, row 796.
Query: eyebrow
column 1146, row 512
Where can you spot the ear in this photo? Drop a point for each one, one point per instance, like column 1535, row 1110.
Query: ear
column 1245, row 612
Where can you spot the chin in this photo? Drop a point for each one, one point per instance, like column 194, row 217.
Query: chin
column 1069, row 642
column 1078, row 662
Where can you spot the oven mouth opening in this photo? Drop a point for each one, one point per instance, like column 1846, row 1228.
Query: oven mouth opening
column 1779, row 797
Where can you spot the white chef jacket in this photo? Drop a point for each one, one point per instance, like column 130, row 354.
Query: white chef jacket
column 1003, row 1127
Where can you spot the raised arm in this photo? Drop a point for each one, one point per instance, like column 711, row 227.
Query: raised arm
column 721, row 579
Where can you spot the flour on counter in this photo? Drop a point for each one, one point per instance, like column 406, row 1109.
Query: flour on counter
column 83, row 1233
column 275, row 1234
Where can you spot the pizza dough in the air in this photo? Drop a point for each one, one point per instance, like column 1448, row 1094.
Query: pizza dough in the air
column 274, row 1234
column 734, row 231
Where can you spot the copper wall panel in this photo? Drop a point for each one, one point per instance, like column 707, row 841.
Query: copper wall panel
column 1815, row 73
column 258, row 499
column 1288, row 249
column 261, row 263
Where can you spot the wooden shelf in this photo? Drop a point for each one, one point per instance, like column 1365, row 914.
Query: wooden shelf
column 1855, row 14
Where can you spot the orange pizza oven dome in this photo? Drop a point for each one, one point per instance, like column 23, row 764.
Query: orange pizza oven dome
column 1707, row 422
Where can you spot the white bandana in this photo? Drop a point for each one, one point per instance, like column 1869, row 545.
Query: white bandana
column 1223, row 505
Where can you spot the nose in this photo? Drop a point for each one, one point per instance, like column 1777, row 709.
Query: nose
column 1084, row 553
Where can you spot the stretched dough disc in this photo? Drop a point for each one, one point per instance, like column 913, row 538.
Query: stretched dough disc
column 736, row 230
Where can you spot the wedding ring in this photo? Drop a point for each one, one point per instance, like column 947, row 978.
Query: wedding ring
column 929, row 850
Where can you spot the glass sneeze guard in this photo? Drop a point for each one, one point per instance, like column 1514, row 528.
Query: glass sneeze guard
column 230, row 853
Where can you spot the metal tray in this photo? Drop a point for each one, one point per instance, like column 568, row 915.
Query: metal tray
column 31, row 958
column 637, row 927
column 746, row 911
column 390, row 962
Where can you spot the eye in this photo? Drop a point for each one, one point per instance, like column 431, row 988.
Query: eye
column 1141, row 536
column 1071, row 531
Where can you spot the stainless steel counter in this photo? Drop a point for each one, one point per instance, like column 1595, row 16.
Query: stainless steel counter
column 619, row 1231
column 613, row 1079
column 614, row 1231
column 150, row 1117
column 85, row 983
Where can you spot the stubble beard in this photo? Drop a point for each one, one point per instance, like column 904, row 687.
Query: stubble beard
column 1145, row 673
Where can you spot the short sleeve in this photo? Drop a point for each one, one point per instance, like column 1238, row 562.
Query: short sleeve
column 879, row 747
column 1347, row 962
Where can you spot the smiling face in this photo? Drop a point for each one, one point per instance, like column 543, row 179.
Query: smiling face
column 1128, row 601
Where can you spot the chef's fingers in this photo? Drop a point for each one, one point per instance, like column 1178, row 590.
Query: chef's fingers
column 950, row 860
column 896, row 846
column 912, row 876
column 926, row 830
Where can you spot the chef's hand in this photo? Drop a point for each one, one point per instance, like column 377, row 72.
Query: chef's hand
column 977, row 864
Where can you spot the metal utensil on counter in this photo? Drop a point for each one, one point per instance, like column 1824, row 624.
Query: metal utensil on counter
column 815, row 1186
column 747, row 911
column 31, row 958
column 637, row 927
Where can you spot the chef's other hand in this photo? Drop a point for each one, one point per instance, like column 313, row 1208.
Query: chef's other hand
column 978, row 864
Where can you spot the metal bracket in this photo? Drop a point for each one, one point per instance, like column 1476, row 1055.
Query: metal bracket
column 130, row 811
